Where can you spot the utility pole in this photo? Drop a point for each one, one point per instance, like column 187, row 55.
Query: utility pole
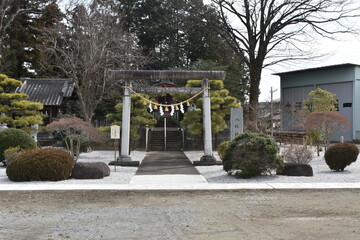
column 272, row 111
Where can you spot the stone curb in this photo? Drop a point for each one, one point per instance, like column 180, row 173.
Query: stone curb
column 178, row 186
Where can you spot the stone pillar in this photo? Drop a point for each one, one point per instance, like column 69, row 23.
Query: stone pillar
column 236, row 122
column 125, row 127
column 3, row 125
column 35, row 132
column 208, row 154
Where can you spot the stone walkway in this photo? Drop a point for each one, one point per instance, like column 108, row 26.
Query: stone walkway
column 171, row 167
column 165, row 163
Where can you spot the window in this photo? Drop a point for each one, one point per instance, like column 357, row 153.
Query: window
column 347, row 105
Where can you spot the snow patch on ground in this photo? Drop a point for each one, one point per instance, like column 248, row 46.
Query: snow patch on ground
column 322, row 173
column 213, row 174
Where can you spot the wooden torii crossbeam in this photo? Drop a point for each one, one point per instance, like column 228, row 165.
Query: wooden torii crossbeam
column 165, row 75
column 131, row 75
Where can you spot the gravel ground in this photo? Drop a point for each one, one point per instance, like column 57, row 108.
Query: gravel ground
column 213, row 174
column 180, row 215
column 222, row 214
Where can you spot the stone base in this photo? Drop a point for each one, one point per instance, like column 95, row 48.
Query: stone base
column 124, row 159
column 125, row 164
column 207, row 158
column 296, row 169
column 93, row 170
column 208, row 163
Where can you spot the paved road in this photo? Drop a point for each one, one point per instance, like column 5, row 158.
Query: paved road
column 245, row 214
column 170, row 162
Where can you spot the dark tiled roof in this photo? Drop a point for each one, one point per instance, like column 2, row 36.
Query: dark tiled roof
column 47, row 91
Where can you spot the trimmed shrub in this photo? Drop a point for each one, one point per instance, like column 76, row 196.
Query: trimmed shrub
column 252, row 154
column 341, row 155
column 221, row 148
column 298, row 154
column 46, row 164
column 12, row 137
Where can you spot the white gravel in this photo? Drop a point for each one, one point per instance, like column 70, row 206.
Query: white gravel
column 322, row 173
column 213, row 174
column 122, row 175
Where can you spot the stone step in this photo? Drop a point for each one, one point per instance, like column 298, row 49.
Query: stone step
column 173, row 139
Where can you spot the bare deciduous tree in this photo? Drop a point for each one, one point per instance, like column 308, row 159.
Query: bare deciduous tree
column 90, row 40
column 326, row 123
column 266, row 32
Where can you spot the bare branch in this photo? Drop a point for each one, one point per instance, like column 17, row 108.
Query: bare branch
column 90, row 40
column 267, row 32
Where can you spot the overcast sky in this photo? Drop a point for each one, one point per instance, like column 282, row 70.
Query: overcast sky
column 346, row 50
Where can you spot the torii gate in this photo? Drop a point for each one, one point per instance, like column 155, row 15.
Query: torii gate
column 129, row 75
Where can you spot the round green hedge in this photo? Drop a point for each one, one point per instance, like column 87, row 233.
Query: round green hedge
column 253, row 154
column 341, row 155
column 221, row 148
column 47, row 164
column 12, row 137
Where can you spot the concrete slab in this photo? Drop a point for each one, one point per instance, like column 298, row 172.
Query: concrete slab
column 324, row 185
column 163, row 163
column 167, row 179
column 176, row 186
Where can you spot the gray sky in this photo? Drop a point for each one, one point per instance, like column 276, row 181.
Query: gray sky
column 346, row 50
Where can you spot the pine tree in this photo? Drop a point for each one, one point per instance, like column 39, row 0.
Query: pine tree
column 15, row 110
column 183, row 34
column 320, row 100
column 175, row 33
column 139, row 118
column 21, row 56
column 221, row 103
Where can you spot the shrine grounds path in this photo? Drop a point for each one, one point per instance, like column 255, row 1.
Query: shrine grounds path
column 200, row 214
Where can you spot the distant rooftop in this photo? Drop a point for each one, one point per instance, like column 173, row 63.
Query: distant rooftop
column 319, row 68
column 46, row 90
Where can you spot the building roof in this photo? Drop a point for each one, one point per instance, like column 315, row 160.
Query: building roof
column 47, row 91
column 319, row 68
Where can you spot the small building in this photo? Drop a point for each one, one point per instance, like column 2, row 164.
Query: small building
column 52, row 93
column 342, row 80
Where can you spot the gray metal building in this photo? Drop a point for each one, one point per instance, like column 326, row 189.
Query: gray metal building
column 342, row 80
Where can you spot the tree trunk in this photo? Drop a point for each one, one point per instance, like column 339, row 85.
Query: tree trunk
column 83, row 106
column 255, row 76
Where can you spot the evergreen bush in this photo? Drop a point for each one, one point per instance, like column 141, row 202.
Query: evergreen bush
column 252, row 154
column 341, row 155
column 46, row 164
column 12, row 137
column 221, row 148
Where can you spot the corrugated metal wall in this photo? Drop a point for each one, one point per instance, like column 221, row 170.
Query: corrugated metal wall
column 292, row 99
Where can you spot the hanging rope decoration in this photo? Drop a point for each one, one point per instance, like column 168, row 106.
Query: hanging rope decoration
column 150, row 108
column 160, row 106
column 161, row 110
